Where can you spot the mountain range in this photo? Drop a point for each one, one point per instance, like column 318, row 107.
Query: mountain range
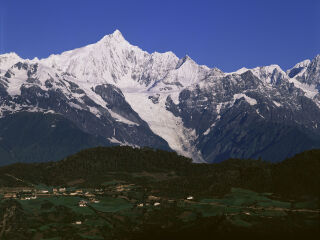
column 113, row 93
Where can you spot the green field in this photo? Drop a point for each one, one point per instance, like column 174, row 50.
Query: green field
column 240, row 201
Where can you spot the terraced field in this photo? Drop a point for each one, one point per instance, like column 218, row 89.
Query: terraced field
column 49, row 216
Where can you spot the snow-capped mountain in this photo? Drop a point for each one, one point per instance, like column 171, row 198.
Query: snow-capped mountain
column 116, row 91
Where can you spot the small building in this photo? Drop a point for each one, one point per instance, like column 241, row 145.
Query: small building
column 88, row 194
column 10, row 195
column 62, row 189
column 83, row 203
column 25, row 198
column 93, row 200
column 120, row 188
column 78, row 223
column 140, row 205
column 190, row 198
column 26, row 190
column 156, row 204
column 98, row 190
column 153, row 198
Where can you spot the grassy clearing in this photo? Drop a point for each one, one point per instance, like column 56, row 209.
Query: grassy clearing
column 112, row 182
column 108, row 204
column 31, row 205
column 237, row 220
column 91, row 237
column 96, row 222
column 307, row 205
column 54, row 238
column 239, row 201
column 187, row 216
column 273, row 203
column 272, row 213
column 207, row 210
column 246, row 198
column 67, row 201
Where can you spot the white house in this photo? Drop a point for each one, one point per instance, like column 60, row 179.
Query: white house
column 82, row 203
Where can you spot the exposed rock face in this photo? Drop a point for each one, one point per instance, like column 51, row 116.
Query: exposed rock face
column 124, row 95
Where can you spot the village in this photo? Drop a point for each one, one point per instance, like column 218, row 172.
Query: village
column 28, row 193
column 87, row 195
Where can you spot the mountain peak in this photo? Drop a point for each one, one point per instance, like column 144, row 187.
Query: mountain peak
column 9, row 55
column 183, row 60
column 304, row 63
column 117, row 33
column 8, row 59
column 116, row 36
column 241, row 70
column 269, row 69
column 187, row 57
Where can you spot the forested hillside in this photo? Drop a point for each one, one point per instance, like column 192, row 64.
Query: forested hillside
column 293, row 177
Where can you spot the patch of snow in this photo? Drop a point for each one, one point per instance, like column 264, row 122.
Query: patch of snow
column 124, row 143
column 119, row 118
column 309, row 90
column 16, row 81
column 267, row 74
column 239, row 71
column 7, row 60
column 207, row 131
column 114, row 140
column 175, row 97
column 212, row 125
column 276, row 103
column 250, row 100
column 74, row 105
column 258, row 112
column 49, row 111
column 95, row 111
column 304, row 63
column 218, row 107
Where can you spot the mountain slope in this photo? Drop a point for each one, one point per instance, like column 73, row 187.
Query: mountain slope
column 38, row 137
column 127, row 96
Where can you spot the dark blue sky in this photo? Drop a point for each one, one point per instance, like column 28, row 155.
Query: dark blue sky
column 224, row 33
